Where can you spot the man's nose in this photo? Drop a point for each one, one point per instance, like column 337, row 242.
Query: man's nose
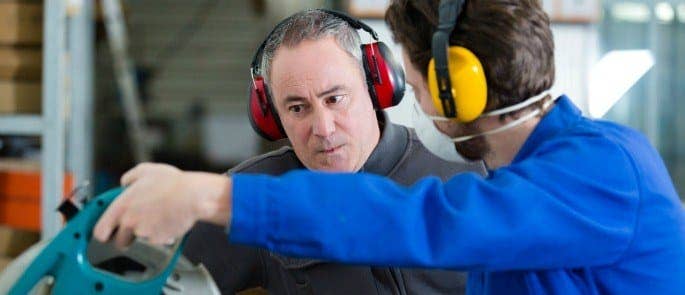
column 324, row 123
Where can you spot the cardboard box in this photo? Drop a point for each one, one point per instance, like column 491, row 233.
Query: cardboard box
column 20, row 191
column 15, row 241
column 24, row 63
column 20, row 97
column 21, row 22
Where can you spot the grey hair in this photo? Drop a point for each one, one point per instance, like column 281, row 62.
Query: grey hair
column 312, row 25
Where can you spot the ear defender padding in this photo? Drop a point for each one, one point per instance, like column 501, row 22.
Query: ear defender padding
column 469, row 87
column 263, row 118
column 384, row 75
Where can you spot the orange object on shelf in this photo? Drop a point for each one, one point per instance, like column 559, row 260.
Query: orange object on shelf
column 20, row 197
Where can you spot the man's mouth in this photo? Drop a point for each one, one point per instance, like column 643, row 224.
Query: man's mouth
column 331, row 150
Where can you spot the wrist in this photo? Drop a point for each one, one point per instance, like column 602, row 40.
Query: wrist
column 214, row 203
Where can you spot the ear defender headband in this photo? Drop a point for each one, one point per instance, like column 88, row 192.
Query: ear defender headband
column 456, row 79
column 384, row 78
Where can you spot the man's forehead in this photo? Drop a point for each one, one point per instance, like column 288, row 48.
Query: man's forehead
column 301, row 85
column 313, row 68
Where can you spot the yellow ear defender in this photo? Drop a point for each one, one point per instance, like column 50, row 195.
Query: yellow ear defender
column 456, row 79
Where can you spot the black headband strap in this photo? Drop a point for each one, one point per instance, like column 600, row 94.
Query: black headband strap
column 353, row 22
column 254, row 66
column 449, row 10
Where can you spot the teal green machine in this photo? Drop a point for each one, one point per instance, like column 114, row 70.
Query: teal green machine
column 73, row 263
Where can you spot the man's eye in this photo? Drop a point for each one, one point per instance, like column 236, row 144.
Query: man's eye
column 334, row 99
column 296, row 108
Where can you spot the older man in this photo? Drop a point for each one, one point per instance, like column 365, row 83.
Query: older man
column 318, row 84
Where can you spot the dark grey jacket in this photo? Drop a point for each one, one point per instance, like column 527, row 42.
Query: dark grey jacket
column 399, row 156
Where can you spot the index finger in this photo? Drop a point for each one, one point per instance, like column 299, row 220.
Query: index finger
column 132, row 175
column 109, row 220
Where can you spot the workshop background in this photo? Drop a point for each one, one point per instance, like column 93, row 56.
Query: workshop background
column 71, row 112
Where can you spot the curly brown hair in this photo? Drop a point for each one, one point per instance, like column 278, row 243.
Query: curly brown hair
column 512, row 39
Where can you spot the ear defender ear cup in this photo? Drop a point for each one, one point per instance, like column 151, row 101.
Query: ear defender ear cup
column 469, row 86
column 384, row 75
column 263, row 118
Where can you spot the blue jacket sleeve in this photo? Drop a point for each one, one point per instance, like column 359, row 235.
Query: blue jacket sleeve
column 571, row 204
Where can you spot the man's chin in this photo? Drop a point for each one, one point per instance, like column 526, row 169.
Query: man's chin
column 333, row 165
column 333, row 169
column 474, row 149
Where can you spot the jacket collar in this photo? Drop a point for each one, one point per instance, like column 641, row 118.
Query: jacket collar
column 563, row 115
column 391, row 146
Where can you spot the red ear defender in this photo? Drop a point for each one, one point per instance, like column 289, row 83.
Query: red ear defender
column 384, row 75
column 262, row 116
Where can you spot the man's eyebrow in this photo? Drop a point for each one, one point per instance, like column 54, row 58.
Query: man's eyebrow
column 297, row 98
column 293, row 98
column 333, row 89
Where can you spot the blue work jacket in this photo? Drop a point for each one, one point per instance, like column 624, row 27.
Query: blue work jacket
column 586, row 207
